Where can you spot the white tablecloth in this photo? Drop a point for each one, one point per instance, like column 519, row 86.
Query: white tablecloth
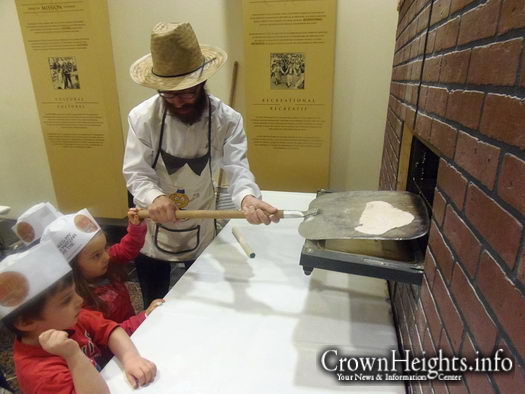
column 238, row 325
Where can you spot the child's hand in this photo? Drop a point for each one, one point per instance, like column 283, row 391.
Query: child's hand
column 58, row 343
column 133, row 216
column 154, row 304
column 139, row 371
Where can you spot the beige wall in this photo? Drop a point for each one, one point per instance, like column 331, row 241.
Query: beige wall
column 24, row 172
column 365, row 40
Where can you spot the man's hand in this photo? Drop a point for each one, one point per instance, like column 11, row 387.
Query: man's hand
column 257, row 211
column 162, row 210
column 139, row 371
column 154, row 304
column 58, row 343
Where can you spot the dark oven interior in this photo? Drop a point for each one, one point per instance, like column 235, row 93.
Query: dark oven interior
column 422, row 178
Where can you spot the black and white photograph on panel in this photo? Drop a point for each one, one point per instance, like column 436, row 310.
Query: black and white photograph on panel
column 287, row 70
column 64, row 72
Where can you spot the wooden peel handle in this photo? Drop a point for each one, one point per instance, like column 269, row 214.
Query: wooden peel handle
column 205, row 214
column 200, row 214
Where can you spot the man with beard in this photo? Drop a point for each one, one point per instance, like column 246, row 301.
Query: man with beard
column 177, row 140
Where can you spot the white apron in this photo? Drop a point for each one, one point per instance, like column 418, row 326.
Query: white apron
column 186, row 238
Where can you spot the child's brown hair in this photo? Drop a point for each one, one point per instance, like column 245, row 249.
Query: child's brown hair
column 84, row 288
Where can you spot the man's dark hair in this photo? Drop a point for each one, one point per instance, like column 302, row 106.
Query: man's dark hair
column 33, row 309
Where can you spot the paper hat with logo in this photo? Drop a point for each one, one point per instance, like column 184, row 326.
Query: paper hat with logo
column 71, row 233
column 26, row 275
column 31, row 224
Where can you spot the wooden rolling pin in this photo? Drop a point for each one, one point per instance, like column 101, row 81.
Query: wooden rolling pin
column 244, row 244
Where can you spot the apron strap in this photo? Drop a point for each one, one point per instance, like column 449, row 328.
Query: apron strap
column 209, row 158
column 209, row 135
column 161, row 135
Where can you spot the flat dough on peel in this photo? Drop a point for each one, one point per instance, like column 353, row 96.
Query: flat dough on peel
column 378, row 217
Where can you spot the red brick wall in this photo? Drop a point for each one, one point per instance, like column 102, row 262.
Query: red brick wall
column 459, row 82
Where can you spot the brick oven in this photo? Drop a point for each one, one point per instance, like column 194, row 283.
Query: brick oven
column 458, row 88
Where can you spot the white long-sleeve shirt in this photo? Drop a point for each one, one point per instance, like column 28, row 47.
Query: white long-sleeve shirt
column 229, row 147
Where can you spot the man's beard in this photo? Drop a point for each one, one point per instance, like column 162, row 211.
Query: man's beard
column 196, row 109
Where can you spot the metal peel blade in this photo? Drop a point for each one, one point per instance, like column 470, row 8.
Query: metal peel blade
column 300, row 214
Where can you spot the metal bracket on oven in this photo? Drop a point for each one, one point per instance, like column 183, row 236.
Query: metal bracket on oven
column 314, row 256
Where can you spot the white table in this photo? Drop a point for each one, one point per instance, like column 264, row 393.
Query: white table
column 233, row 324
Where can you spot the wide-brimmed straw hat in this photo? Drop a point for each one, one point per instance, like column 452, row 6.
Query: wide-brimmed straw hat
column 176, row 61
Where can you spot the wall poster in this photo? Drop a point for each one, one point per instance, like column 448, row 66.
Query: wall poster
column 68, row 47
column 289, row 57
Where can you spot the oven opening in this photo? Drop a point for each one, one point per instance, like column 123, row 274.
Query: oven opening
column 421, row 178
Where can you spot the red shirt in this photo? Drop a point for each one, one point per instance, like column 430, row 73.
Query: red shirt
column 118, row 305
column 114, row 293
column 129, row 247
column 38, row 371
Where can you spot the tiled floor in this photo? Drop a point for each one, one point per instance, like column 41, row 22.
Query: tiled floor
column 6, row 338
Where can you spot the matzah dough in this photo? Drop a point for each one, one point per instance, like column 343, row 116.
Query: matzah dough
column 379, row 216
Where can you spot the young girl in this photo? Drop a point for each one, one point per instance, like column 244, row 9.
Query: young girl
column 99, row 270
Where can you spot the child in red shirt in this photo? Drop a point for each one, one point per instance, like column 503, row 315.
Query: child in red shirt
column 57, row 345
column 98, row 270
column 99, row 276
column 90, row 331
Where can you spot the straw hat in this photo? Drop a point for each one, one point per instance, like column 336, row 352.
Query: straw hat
column 176, row 61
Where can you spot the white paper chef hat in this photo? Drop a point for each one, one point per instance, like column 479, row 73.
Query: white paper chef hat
column 31, row 224
column 27, row 274
column 71, row 233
